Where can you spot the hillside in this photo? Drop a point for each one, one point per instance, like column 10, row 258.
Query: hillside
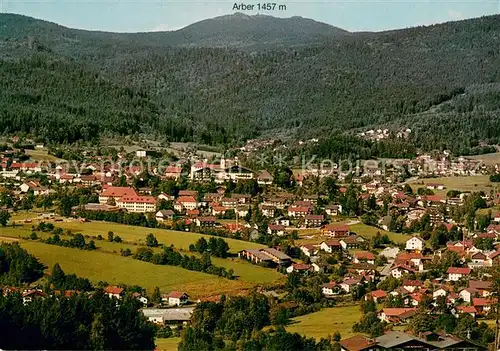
column 225, row 85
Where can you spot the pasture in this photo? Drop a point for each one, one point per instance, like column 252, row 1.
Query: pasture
column 327, row 321
column 465, row 183
column 245, row 271
column 115, row 269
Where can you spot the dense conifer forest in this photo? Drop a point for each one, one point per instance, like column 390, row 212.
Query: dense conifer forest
column 442, row 81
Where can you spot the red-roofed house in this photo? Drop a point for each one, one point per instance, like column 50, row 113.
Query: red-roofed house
column 467, row 309
column 116, row 192
column 336, row 230
column 276, row 229
column 364, row 256
column 218, row 210
column 185, row 203
column 432, row 200
column 205, row 221
column 483, row 305
column 114, row 291
column 396, row 315
column 377, row 296
column 349, row 283
column 358, row 343
column 300, row 267
column 298, row 211
column 331, row 246
column 173, row 172
column 457, row 273
column 412, row 285
column 314, row 220
column 193, row 213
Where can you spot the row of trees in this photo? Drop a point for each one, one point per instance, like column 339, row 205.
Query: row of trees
column 77, row 242
column 174, row 258
column 215, row 246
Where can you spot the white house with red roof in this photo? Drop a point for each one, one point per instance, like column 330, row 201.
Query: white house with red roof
column 377, row 296
column 336, row 230
column 114, row 291
column 300, row 267
column 116, row 192
column 412, row 285
column 457, row 273
column 173, row 172
column 185, row 203
column 298, row 211
column 467, row 309
column 276, row 229
column 364, row 256
column 396, row 315
column 349, row 283
column 483, row 305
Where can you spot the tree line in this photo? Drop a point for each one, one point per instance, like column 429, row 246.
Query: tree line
column 169, row 256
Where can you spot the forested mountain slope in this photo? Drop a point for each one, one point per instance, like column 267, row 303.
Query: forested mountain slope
column 341, row 82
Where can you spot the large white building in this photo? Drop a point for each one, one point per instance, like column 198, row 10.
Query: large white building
column 127, row 198
column 116, row 192
column 140, row 204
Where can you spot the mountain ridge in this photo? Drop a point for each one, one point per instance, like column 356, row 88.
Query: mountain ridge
column 215, row 93
column 235, row 30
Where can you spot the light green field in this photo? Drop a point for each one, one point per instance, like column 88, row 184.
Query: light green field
column 466, row 183
column 244, row 270
column 323, row 323
column 115, row 269
column 169, row 344
column 368, row 232
column 138, row 234
column 41, row 155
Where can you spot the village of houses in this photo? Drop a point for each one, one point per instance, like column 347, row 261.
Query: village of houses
column 321, row 226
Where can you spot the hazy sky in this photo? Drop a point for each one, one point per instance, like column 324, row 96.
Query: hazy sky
column 154, row 15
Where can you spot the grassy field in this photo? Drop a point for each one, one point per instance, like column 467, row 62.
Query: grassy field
column 468, row 183
column 245, row 271
column 41, row 155
column 169, row 344
column 115, row 269
column 487, row 159
column 368, row 232
column 323, row 323
column 138, row 234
